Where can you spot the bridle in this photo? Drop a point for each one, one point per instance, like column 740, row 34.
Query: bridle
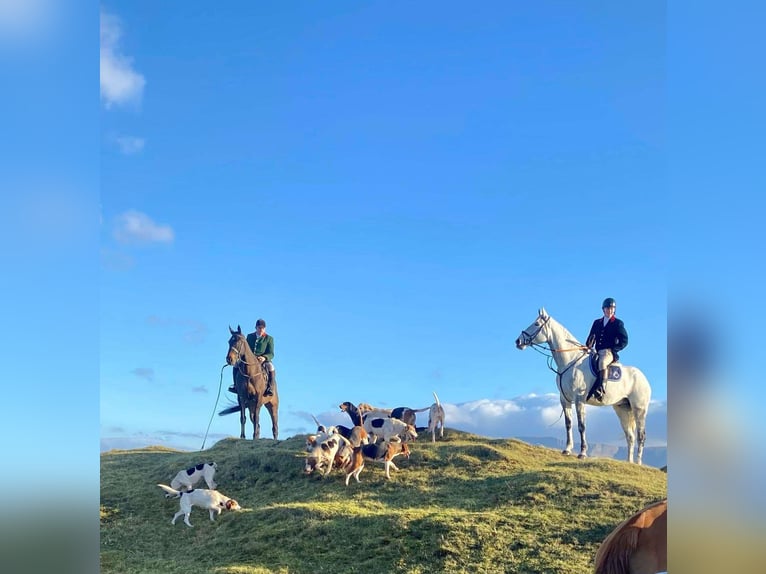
column 529, row 339
column 236, row 365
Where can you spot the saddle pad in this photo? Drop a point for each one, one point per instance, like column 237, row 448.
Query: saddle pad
column 613, row 371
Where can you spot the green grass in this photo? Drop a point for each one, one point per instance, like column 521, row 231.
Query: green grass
column 465, row 504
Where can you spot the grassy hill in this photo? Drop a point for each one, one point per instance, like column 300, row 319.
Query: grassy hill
column 464, row 504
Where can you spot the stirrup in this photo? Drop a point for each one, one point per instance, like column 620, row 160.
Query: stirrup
column 231, row 389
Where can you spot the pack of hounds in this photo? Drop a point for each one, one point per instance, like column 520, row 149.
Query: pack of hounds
column 377, row 435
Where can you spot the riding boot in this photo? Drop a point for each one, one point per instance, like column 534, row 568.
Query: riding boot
column 231, row 389
column 597, row 390
column 270, row 384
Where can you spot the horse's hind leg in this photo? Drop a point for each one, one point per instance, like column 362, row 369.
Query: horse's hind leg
column 640, row 415
column 274, row 412
column 628, row 422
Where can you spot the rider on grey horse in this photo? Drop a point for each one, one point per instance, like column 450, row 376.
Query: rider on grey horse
column 262, row 346
column 608, row 334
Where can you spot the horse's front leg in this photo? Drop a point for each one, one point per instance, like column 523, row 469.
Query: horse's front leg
column 567, row 408
column 580, row 408
column 242, row 420
column 255, row 416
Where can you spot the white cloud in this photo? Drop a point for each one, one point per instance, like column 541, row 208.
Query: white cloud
column 120, row 83
column 541, row 416
column 134, row 227
column 129, row 145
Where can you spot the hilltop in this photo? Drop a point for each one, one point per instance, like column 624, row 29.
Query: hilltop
column 464, row 504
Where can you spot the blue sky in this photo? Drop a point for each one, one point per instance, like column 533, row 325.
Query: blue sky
column 456, row 159
column 395, row 188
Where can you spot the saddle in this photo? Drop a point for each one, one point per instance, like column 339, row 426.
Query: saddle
column 250, row 385
column 613, row 371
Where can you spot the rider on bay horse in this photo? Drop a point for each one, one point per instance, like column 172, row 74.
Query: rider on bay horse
column 262, row 346
column 608, row 334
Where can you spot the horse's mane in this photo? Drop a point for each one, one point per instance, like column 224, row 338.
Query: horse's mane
column 567, row 333
column 613, row 556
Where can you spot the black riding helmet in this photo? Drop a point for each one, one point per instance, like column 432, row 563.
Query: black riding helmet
column 609, row 302
column 260, row 323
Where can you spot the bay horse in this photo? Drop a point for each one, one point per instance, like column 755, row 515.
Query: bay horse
column 638, row 545
column 629, row 396
column 250, row 383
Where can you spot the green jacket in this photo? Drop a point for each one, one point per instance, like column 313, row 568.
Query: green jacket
column 261, row 347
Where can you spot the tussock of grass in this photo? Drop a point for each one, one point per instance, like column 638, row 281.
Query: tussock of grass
column 465, row 504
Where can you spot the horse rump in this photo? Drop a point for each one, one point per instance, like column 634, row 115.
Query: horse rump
column 638, row 545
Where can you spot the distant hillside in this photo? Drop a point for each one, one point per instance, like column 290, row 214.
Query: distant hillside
column 656, row 456
column 465, row 504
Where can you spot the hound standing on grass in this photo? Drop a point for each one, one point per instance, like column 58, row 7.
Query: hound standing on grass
column 381, row 452
column 213, row 500
column 186, row 479
column 436, row 419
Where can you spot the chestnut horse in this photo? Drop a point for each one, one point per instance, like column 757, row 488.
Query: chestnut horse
column 639, row 545
column 250, row 384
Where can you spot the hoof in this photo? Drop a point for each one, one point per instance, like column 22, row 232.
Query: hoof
column 566, row 452
column 581, row 456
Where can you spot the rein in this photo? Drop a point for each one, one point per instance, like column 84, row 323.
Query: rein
column 220, row 383
column 243, row 361
column 542, row 348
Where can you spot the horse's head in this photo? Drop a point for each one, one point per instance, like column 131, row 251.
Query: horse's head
column 535, row 334
column 236, row 349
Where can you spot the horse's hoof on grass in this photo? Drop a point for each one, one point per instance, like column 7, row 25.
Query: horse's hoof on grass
column 582, row 456
column 566, row 452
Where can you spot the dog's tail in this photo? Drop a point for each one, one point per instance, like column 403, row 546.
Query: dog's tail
column 171, row 492
column 319, row 425
column 438, row 404
column 229, row 410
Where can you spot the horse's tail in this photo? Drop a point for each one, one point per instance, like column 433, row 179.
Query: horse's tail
column 229, row 410
column 613, row 556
